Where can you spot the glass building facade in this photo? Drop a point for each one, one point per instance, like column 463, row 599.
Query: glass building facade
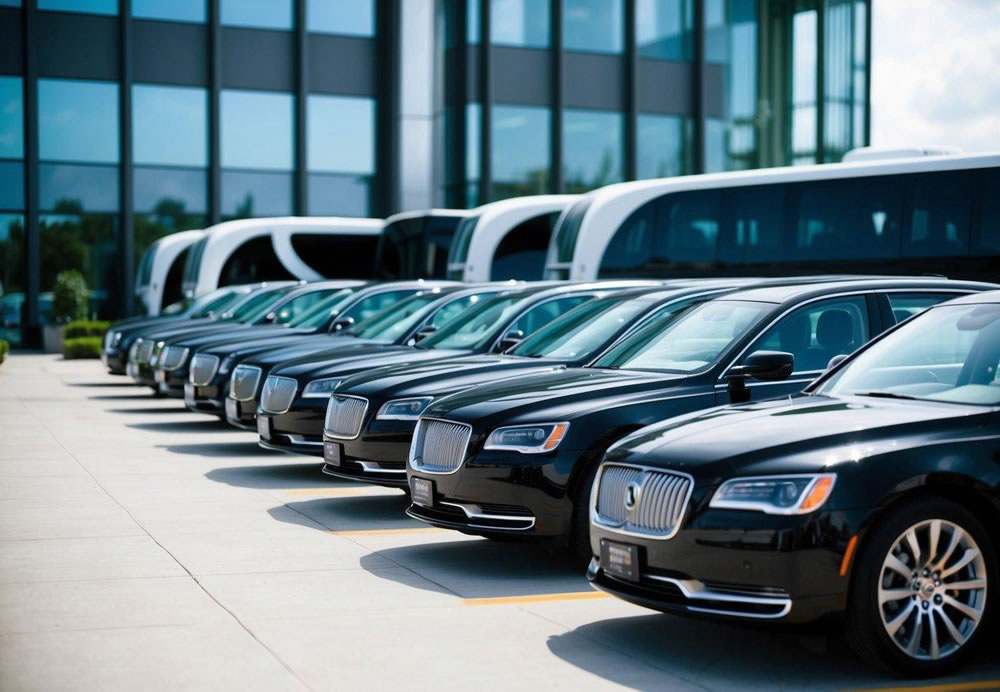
column 601, row 91
column 125, row 120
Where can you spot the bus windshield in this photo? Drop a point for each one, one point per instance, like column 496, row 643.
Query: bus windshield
column 564, row 237
column 459, row 251
column 192, row 265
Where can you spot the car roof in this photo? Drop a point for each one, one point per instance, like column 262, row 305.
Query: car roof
column 983, row 298
column 798, row 291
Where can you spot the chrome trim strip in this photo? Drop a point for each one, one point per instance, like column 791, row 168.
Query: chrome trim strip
column 594, row 491
column 474, row 511
column 374, row 467
column 300, row 440
column 696, row 590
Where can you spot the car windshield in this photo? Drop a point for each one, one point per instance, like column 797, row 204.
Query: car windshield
column 255, row 305
column 321, row 311
column 475, row 327
column 387, row 326
column 949, row 353
column 581, row 330
column 692, row 342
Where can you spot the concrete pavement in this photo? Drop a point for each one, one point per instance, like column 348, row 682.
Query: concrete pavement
column 145, row 546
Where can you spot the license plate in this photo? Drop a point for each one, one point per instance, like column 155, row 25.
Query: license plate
column 233, row 410
column 333, row 453
column 264, row 427
column 620, row 560
column 160, row 376
column 188, row 394
column 422, row 492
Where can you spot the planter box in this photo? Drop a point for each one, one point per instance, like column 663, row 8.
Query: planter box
column 52, row 338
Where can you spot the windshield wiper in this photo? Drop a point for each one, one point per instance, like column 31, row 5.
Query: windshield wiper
column 886, row 394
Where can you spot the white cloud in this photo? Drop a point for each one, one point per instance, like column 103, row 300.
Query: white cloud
column 936, row 73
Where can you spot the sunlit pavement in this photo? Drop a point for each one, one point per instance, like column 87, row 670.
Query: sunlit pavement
column 142, row 546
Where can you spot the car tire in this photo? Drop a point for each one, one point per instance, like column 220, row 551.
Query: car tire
column 579, row 537
column 900, row 597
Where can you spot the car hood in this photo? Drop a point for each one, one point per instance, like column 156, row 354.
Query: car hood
column 797, row 434
column 306, row 347
column 442, row 376
column 206, row 338
column 347, row 362
column 558, row 395
column 141, row 329
column 246, row 341
column 178, row 333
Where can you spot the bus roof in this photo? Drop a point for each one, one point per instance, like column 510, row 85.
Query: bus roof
column 416, row 213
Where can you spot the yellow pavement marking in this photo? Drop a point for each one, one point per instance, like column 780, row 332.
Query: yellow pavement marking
column 336, row 492
column 537, row 598
column 388, row 532
column 947, row 687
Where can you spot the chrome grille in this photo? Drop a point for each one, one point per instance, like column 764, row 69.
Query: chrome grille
column 278, row 394
column 439, row 446
column 345, row 416
column 143, row 351
column 203, row 369
column 642, row 501
column 243, row 384
column 173, row 357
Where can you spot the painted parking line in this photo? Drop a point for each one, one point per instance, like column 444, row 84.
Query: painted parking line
column 537, row 598
column 947, row 687
column 389, row 532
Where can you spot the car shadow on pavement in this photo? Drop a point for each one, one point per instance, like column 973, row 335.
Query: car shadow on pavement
column 149, row 410
column 194, row 425
column 714, row 654
column 219, row 449
column 295, row 474
column 102, row 384
column 353, row 513
column 138, row 395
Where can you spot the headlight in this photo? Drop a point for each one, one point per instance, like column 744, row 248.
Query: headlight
column 798, row 494
column 173, row 357
column 157, row 350
column 529, row 439
column 117, row 338
column 404, row 409
column 320, row 389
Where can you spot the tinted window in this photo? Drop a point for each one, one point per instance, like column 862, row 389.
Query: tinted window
column 475, row 327
column 253, row 261
column 816, row 333
column 173, row 10
column 568, row 229
column 266, row 14
column 989, row 211
column 299, row 305
column 333, row 194
column 937, row 218
column 11, row 184
column 519, row 23
column 521, row 253
column 593, row 26
column 366, row 307
column 172, row 285
column 256, row 129
column 337, row 256
column 459, row 250
column 753, row 224
column 457, row 307
column 170, row 125
column 192, row 265
column 246, row 194
column 593, row 146
column 663, row 28
column 631, row 247
column 396, row 320
column 321, row 311
column 540, row 315
column 521, row 144
column 67, row 108
column 89, row 6
column 906, row 305
column 353, row 18
column 581, row 330
column 11, row 118
column 686, row 227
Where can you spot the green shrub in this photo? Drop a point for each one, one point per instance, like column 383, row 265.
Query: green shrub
column 75, row 330
column 70, row 297
column 4, row 349
column 82, row 347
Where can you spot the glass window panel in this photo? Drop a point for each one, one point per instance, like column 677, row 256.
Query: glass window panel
column 593, row 26
column 69, row 189
column 521, row 145
column 247, row 194
column 472, row 21
column 663, row 28
column 938, row 221
column 989, row 213
column 11, row 118
column 519, row 23
column 87, row 242
column 12, row 277
column 265, row 14
column 87, row 6
column 67, row 108
column 172, row 10
column 716, row 138
column 169, row 125
column 341, row 134
column 11, row 185
column 256, row 130
column 10, row 3
column 592, row 146
column 663, row 146
column 352, row 18
column 339, row 195
column 171, row 191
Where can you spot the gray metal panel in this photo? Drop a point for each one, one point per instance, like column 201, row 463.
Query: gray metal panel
column 170, row 52
column 11, row 45
column 258, row 59
column 594, row 81
column 78, row 45
column 523, row 76
column 472, row 73
column 665, row 87
column 341, row 65
column 715, row 90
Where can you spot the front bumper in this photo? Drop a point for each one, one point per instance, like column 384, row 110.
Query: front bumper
column 202, row 401
column 297, row 431
column 141, row 373
column 377, row 455
column 241, row 414
column 114, row 361
column 737, row 564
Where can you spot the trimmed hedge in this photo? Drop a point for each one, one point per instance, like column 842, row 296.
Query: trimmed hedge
column 80, row 328
column 4, row 350
column 82, row 347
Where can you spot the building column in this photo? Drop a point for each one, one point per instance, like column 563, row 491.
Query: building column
column 214, row 84
column 300, row 202
column 31, row 331
column 698, row 87
column 126, row 239
column 631, row 91
column 485, row 104
column 413, row 120
column 557, row 182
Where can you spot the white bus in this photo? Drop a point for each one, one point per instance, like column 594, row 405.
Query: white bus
column 928, row 214
column 506, row 239
column 273, row 249
column 160, row 273
column 415, row 244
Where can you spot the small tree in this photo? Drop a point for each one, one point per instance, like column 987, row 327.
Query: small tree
column 70, row 297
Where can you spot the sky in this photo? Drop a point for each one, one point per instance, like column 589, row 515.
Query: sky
column 936, row 73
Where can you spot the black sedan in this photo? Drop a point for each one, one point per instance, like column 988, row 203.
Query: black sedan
column 397, row 395
column 290, row 417
column 519, row 457
column 874, row 494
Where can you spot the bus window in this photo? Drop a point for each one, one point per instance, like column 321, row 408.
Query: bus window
column 937, row 216
column 172, row 284
column 988, row 241
column 458, row 253
column 343, row 256
column 631, row 247
column 399, row 242
column 254, row 260
column 847, row 219
column 440, row 230
column 192, row 265
column 521, row 253
column 686, row 228
column 753, row 225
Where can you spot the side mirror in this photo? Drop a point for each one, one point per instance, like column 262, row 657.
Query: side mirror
column 424, row 333
column 760, row 365
column 510, row 340
column 836, row 360
column 270, row 317
column 342, row 324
